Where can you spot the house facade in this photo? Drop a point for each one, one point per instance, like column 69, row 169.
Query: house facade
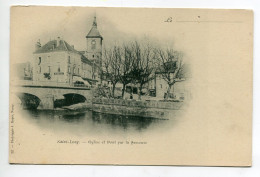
column 58, row 63
column 180, row 90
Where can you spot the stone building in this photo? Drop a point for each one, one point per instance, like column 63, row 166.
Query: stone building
column 94, row 50
column 58, row 63
column 180, row 90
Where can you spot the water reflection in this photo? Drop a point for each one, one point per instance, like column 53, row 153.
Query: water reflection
column 91, row 122
column 124, row 122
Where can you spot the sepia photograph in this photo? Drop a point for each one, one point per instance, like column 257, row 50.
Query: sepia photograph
column 130, row 86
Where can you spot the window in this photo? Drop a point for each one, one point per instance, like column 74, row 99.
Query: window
column 68, row 59
column 49, row 69
column 58, row 69
column 40, row 60
column 68, row 69
column 93, row 56
column 40, row 70
column 78, row 70
column 161, row 85
column 74, row 70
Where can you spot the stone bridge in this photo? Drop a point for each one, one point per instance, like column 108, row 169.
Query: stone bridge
column 50, row 97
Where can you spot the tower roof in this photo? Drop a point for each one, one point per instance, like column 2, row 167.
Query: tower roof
column 94, row 33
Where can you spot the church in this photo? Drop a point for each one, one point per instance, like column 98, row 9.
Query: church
column 58, row 63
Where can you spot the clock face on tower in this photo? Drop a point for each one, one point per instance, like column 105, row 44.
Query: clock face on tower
column 93, row 44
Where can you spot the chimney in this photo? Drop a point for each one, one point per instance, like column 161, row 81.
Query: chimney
column 38, row 45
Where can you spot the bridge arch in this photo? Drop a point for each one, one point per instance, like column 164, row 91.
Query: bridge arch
column 69, row 99
column 29, row 101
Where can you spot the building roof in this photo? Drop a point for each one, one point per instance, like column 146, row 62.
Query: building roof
column 94, row 33
column 52, row 46
column 82, row 52
column 91, row 81
column 92, row 61
column 84, row 59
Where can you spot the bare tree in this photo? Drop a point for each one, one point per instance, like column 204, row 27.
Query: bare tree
column 111, row 67
column 143, row 64
column 127, row 62
column 130, row 63
column 169, row 66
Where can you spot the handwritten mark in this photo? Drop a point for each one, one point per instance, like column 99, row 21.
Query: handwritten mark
column 169, row 19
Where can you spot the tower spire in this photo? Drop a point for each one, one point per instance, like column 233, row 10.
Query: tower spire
column 94, row 33
column 94, row 21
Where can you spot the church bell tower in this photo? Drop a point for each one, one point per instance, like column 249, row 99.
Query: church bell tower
column 94, row 44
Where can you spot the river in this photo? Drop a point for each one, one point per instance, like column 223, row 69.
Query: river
column 89, row 122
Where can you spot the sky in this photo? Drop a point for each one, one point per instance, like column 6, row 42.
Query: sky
column 116, row 25
column 196, row 33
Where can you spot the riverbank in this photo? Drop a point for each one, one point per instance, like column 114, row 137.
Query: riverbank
column 151, row 108
column 140, row 108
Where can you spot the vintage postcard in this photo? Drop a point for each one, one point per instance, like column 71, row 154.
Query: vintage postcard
column 131, row 86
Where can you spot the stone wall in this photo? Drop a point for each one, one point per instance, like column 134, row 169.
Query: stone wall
column 155, row 109
column 137, row 103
